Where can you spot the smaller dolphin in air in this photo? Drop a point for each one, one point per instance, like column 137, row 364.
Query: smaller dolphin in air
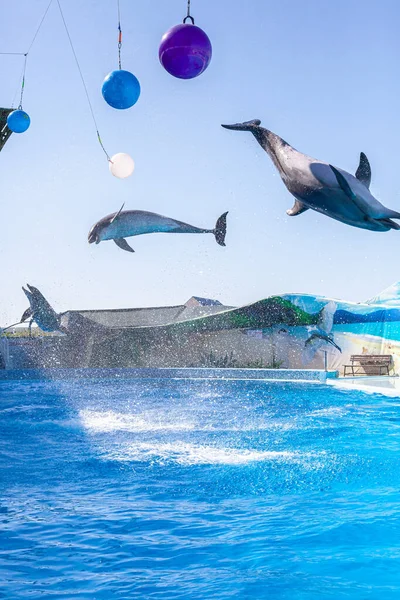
column 323, row 337
column 322, row 187
column 320, row 336
column 40, row 311
column 128, row 223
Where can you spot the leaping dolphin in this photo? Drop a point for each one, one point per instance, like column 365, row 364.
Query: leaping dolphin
column 322, row 187
column 320, row 336
column 128, row 223
column 39, row 311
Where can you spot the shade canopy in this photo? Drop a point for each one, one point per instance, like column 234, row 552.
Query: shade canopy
column 5, row 132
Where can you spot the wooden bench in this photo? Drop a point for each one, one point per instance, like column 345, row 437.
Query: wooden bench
column 369, row 364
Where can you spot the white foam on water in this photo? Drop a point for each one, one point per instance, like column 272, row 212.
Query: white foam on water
column 111, row 421
column 192, row 454
column 334, row 411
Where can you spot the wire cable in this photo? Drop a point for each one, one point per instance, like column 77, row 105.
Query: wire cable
column 40, row 25
column 25, row 54
column 83, row 82
column 119, row 36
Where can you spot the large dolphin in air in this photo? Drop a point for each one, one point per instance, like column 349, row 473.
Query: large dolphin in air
column 128, row 223
column 322, row 187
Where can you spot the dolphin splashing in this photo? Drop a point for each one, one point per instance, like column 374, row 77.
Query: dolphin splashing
column 322, row 187
column 40, row 312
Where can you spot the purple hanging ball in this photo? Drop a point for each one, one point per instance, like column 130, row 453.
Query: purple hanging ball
column 185, row 51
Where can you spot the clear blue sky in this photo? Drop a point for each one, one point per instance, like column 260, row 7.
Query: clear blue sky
column 323, row 75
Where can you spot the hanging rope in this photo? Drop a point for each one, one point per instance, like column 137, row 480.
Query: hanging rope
column 34, row 37
column 83, row 82
column 19, row 86
column 23, row 84
column 119, row 36
column 40, row 25
column 25, row 54
column 188, row 15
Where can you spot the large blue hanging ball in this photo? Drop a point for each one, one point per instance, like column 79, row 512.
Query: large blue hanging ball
column 121, row 89
column 18, row 121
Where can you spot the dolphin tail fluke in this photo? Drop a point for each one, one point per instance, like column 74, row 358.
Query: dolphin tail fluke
column 220, row 230
column 246, row 126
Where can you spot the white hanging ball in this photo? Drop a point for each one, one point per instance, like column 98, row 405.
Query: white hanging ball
column 121, row 165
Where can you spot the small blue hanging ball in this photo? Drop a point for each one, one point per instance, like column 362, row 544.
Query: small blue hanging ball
column 121, row 89
column 18, row 121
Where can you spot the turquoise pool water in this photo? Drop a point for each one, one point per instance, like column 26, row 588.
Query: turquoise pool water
column 170, row 489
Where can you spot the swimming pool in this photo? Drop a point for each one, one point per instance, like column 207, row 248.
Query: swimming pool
column 191, row 489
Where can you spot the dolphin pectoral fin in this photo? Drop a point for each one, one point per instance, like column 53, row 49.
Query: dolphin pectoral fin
column 27, row 314
column 328, row 339
column 123, row 244
column 117, row 214
column 297, row 209
column 363, row 172
column 343, row 183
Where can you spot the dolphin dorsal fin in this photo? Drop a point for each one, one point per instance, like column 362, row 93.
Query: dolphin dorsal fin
column 363, row 172
column 297, row 209
column 123, row 244
column 117, row 214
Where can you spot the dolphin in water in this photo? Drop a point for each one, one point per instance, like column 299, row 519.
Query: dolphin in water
column 323, row 187
column 128, row 223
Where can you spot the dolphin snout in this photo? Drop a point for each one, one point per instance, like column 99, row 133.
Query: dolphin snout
column 32, row 289
column 246, row 126
column 27, row 292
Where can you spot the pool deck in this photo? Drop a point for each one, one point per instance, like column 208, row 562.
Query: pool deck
column 389, row 386
column 173, row 373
